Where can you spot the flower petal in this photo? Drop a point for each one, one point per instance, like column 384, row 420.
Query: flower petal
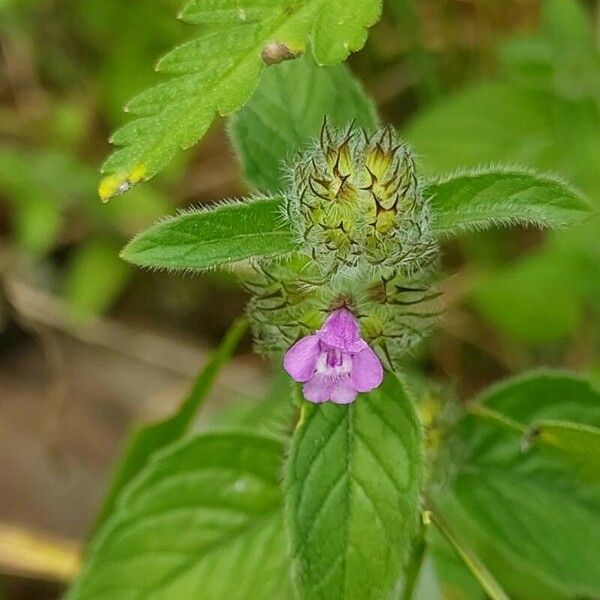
column 301, row 359
column 341, row 331
column 318, row 388
column 367, row 372
column 343, row 393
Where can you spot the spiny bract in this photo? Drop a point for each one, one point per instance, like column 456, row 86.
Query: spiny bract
column 292, row 299
column 355, row 202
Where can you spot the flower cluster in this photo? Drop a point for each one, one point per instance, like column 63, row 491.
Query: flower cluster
column 358, row 293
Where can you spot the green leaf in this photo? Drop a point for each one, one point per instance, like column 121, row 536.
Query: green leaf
column 41, row 185
column 286, row 112
column 95, row 277
column 37, row 225
column 482, row 124
column 238, row 231
column 572, row 440
column 500, row 295
column 529, row 516
column 202, row 520
column 428, row 586
column 216, row 73
column 353, row 481
column 147, row 439
column 580, row 442
column 483, row 199
column 201, row 239
column 273, row 414
column 567, row 25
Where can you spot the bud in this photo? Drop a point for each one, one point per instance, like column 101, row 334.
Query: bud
column 355, row 202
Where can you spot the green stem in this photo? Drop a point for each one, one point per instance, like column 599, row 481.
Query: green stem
column 470, row 559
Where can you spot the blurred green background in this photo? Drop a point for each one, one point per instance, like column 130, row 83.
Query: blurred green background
column 88, row 344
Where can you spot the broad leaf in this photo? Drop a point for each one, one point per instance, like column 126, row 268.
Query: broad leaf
column 483, row 199
column 531, row 517
column 147, row 439
column 217, row 72
column 580, row 442
column 354, row 476
column 482, row 124
column 272, row 414
column 202, row 520
column 567, row 25
column 287, row 111
column 201, row 239
column 500, row 296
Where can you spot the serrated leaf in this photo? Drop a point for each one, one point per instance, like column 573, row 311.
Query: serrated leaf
column 340, row 28
column 202, row 520
column 353, row 481
column 531, row 517
column 143, row 441
column 498, row 197
column 203, row 239
column 216, row 73
column 286, row 112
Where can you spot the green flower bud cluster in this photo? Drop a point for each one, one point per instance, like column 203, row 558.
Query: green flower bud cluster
column 364, row 244
column 355, row 201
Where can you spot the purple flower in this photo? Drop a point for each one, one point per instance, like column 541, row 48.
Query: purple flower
column 335, row 363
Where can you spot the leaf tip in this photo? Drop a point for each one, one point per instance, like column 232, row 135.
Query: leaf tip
column 119, row 183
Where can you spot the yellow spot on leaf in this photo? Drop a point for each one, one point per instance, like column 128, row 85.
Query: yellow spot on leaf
column 119, row 183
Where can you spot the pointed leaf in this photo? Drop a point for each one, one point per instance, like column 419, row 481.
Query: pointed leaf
column 580, row 442
column 201, row 239
column 483, row 199
column 530, row 516
column 354, row 476
column 202, row 520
